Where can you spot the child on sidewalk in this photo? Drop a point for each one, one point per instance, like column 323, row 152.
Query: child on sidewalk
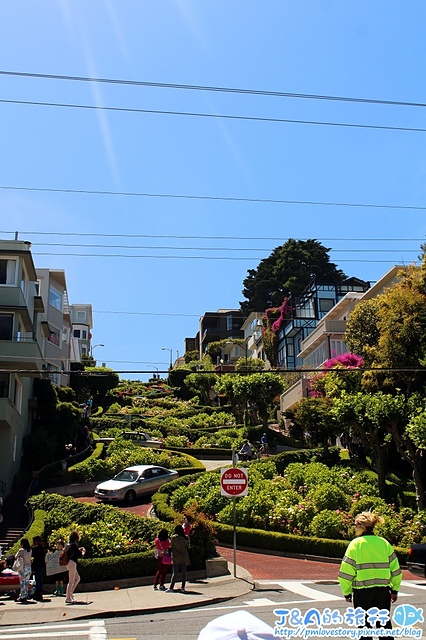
column 59, row 577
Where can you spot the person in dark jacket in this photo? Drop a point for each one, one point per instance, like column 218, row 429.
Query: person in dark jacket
column 180, row 557
column 74, row 552
column 38, row 566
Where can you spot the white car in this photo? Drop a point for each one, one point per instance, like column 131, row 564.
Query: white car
column 142, row 439
column 135, row 481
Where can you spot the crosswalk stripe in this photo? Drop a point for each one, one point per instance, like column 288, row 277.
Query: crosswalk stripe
column 62, row 625
column 43, row 634
column 302, row 589
column 92, row 629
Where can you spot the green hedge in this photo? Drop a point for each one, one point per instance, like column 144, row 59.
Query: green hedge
column 97, row 469
column 131, row 565
column 206, row 451
column 259, row 539
column 282, row 460
column 36, row 529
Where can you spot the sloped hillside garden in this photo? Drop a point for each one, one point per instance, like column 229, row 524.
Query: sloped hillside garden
column 118, row 544
column 306, row 500
column 123, row 453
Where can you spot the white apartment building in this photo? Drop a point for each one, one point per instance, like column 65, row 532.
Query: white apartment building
column 327, row 339
column 21, row 309
column 82, row 323
column 55, row 324
column 36, row 334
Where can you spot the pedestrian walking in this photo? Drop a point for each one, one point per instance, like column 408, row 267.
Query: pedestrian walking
column 23, row 558
column 38, row 566
column 370, row 574
column 74, row 552
column 164, row 558
column 180, row 557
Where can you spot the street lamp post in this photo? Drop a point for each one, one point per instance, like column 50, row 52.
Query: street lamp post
column 94, row 347
column 171, row 354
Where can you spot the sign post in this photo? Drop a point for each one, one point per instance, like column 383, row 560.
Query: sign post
column 234, row 484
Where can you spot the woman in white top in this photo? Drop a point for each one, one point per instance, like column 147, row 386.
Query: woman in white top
column 24, row 574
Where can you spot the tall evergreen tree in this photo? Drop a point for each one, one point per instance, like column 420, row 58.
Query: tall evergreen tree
column 288, row 270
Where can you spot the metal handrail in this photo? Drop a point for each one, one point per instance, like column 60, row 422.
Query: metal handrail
column 71, row 459
column 31, row 491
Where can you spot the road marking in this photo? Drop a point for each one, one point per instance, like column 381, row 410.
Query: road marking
column 258, row 602
column 302, row 589
column 93, row 630
column 409, row 583
column 295, row 587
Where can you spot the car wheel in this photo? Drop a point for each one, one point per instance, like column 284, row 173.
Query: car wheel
column 130, row 497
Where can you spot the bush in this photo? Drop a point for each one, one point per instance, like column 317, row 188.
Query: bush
column 283, row 459
column 36, row 529
column 106, row 532
column 326, row 497
column 122, row 453
column 328, row 524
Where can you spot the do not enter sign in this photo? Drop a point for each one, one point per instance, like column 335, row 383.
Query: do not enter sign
column 234, row 482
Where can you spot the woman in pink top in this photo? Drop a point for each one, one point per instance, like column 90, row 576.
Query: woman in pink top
column 164, row 558
column 186, row 524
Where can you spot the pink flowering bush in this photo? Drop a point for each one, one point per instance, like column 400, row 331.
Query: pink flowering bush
column 318, row 382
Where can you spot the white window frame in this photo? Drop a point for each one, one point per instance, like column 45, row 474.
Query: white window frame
column 17, row 395
column 59, row 294
column 11, row 271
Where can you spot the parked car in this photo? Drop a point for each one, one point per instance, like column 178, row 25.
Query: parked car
column 142, row 439
column 9, row 583
column 416, row 559
column 133, row 482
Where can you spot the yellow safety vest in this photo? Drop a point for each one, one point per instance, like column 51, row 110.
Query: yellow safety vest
column 369, row 561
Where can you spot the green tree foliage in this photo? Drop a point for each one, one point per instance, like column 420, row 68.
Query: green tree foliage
column 191, row 356
column 390, row 333
column 314, row 416
column 257, row 389
column 56, row 424
column 201, row 384
column 362, row 331
column 371, row 416
column 288, row 270
column 95, row 382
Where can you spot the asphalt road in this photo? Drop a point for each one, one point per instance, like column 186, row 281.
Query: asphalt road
column 265, row 602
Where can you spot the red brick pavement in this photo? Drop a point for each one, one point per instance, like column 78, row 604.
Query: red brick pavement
column 270, row 567
column 140, row 509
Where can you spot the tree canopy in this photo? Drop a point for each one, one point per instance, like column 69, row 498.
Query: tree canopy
column 288, row 270
column 390, row 334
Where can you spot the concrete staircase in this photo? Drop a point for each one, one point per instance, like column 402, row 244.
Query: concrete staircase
column 15, row 519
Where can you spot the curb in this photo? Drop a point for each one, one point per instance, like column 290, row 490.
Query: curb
column 163, row 609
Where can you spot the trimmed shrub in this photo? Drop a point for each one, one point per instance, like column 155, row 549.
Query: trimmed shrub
column 36, row 529
column 327, row 524
column 282, row 460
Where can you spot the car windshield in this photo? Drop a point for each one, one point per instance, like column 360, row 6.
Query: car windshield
column 127, row 476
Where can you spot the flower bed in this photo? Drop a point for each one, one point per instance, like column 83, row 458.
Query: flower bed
column 308, row 501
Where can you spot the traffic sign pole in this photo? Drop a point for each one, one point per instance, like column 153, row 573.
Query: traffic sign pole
column 234, row 483
column 234, row 500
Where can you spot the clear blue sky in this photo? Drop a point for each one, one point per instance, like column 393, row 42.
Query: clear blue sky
column 359, row 49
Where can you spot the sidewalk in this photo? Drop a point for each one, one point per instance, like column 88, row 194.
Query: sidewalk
column 124, row 602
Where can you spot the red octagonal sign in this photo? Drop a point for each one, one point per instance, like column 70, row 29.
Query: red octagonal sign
column 234, row 482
